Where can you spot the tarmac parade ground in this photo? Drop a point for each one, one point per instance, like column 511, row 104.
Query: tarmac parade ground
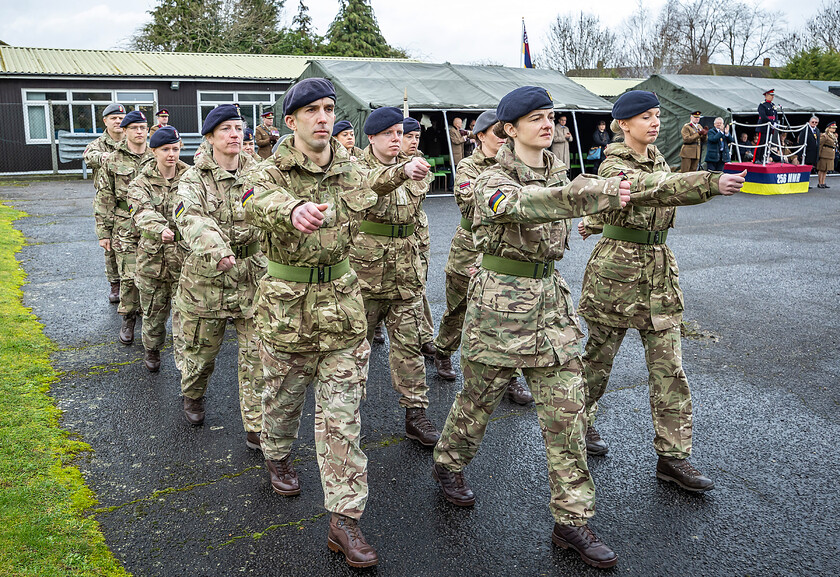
column 760, row 277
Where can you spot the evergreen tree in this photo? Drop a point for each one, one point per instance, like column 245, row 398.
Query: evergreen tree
column 254, row 26
column 812, row 64
column 301, row 37
column 182, row 26
column 355, row 32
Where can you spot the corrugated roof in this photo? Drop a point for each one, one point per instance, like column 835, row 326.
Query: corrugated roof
column 606, row 87
column 70, row 62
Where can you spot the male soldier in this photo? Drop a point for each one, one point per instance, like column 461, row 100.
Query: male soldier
column 386, row 256
column 162, row 117
column 95, row 154
column 308, row 199
column 766, row 114
column 114, row 226
column 248, row 144
column 410, row 144
column 693, row 135
column 457, row 138
column 344, row 133
column 267, row 135
column 220, row 275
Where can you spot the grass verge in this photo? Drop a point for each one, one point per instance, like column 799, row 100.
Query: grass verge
column 43, row 530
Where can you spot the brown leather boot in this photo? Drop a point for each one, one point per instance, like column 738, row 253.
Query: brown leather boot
column 454, row 486
column 681, row 472
column 252, row 440
column 428, row 350
column 152, row 360
column 518, row 393
column 114, row 295
column 595, row 445
column 346, row 537
column 443, row 364
column 127, row 329
column 378, row 334
column 583, row 540
column 420, row 428
column 284, row 479
column 194, row 410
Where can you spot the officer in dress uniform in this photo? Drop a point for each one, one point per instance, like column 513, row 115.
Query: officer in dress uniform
column 766, row 113
column 693, row 136
column 162, row 120
column 266, row 134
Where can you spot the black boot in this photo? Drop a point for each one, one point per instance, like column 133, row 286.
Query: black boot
column 595, row 445
column 127, row 329
column 420, row 428
column 152, row 360
column 583, row 540
column 681, row 472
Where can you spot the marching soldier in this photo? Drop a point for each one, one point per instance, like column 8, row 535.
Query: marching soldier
column 309, row 199
column 160, row 251
column 220, row 274
column 248, row 144
column 766, row 114
column 162, row 117
column 631, row 282
column 114, row 226
column 266, row 134
column 386, row 257
column 344, row 133
column 95, row 154
column 693, row 136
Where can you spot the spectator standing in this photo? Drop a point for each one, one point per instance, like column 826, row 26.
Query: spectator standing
column 828, row 148
column 717, row 153
column 693, row 135
column 600, row 139
column 561, row 140
column 811, row 139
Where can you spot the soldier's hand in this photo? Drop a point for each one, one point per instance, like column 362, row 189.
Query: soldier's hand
column 226, row 263
column 309, row 217
column 417, row 168
column 167, row 235
column 582, row 231
column 624, row 192
column 106, row 244
column 472, row 270
column 732, row 183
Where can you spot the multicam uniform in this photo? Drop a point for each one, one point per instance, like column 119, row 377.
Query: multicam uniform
column 113, row 217
column 158, row 263
column 208, row 212
column 386, row 257
column 633, row 284
column 94, row 152
column 309, row 311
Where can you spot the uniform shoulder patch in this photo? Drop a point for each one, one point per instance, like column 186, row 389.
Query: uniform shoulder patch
column 247, row 195
column 464, row 185
column 179, row 209
column 496, row 200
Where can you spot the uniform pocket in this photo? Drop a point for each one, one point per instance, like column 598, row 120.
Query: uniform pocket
column 280, row 310
column 509, row 316
column 615, row 286
column 368, row 260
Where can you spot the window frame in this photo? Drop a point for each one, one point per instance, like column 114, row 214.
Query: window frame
column 272, row 95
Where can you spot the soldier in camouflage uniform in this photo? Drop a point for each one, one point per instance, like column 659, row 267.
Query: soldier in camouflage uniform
column 309, row 198
column 161, row 250
column 95, row 154
column 112, row 213
column 344, row 133
column 386, row 256
column 631, row 281
column 220, row 274
column 248, row 145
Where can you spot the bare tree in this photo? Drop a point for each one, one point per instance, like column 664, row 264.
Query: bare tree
column 822, row 27
column 642, row 52
column 750, row 33
column 576, row 42
column 692, row 30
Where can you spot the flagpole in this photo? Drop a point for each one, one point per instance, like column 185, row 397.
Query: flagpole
column 522, row 45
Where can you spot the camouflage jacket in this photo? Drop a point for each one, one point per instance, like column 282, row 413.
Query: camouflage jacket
column 208, row 212
column 97, row 149
column 150, row 197
column 524, row 215
column 390, row 268
column 311, row 317
column 112, row 182
column 462, row 253
column 423, row 237
column 633, row 285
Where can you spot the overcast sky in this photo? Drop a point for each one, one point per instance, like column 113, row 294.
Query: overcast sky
column 461, row 32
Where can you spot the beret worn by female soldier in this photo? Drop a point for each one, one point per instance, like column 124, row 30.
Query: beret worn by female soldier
column 248, row 135
column 410, row 125
column 164, row 135
column 341, row 126
column 218, row 115
column 519, row 102
column 305, row 92
column 484, row 121
column 132, row 117
column 382, row 118
column 632, row 103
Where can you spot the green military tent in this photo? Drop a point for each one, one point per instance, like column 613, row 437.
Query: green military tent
column 730, row 97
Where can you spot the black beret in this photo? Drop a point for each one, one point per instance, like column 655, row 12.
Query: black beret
column 632, row 103
column 162, row 112
column 305, row 92
column 113, row 108
column 520, row 101
column 164, row 135
column 218, row 115
column 410, row 125
column 248, row 135
column 341, row 126
column 484, row 121
column 382, row 118
column 132, row 117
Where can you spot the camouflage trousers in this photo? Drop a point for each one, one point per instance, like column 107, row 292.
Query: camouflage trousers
column 408, row 367
column 339, row 378
column 452, row 322
column 126, row 255
column 670, row 397
column 198, row 341
column 155, row 304
column 112, row 270
column 427, row 328
column 559, row 397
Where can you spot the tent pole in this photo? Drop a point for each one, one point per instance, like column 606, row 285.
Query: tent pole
column 577, row 140
column 449, row 146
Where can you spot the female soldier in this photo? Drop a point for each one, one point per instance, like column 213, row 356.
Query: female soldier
column 462, row 254
column 520, row 315
column 631, row 282
column 160, row 252
column 828, row 147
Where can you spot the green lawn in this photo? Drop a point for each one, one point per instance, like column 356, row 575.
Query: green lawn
column 43, row 529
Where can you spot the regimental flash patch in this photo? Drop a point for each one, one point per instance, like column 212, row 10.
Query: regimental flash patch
column 464, row 185
column 247, row 195
column 179, row 210
column 496, row 200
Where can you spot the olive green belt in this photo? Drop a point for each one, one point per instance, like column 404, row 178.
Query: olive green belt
column 517, row 267
column 153, row 236
column 123, row 205
column 466, row 224
column 245, row 250
column 635, row 235
column 385, row 229
column 307, row 274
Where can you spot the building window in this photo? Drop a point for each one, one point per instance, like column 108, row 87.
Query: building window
column 250, row 103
